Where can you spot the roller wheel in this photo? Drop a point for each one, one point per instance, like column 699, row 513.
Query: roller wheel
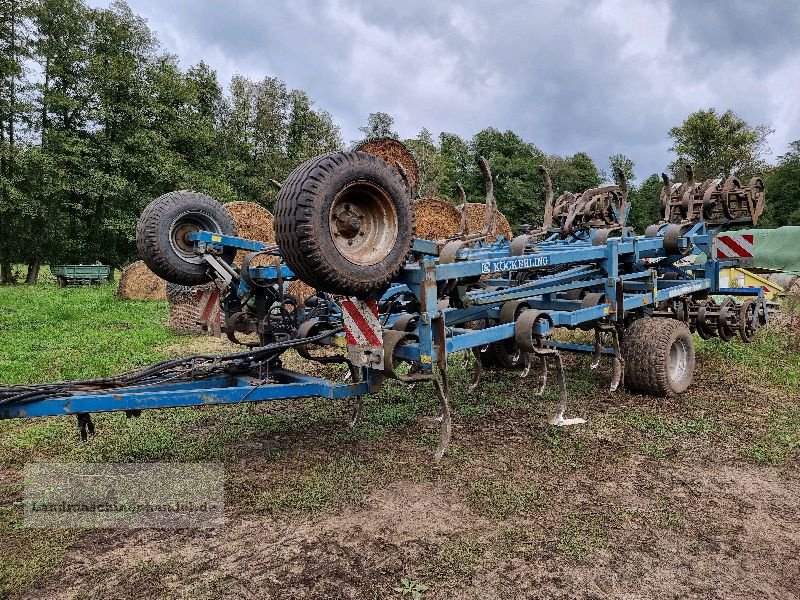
column 344, row 223
column 659, row 354
column 162, row 235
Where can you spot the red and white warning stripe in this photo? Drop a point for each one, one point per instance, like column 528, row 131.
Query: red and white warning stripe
column 361, row 324
column 210, row 315
column 733, row 245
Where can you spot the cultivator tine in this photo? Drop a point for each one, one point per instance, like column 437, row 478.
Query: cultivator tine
column 357, row 403
column 477, row 371
column 558, row 418
column 462, row 228
column 597, row 354
column 85, row 426
column 542, row 374
column 618, row 362
column 442, row 387
column 526, row 369
column 618, row 372
column 490, row 208
column 404, row 175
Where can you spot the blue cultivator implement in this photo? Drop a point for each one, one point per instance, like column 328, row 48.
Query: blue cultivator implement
column 392, row 306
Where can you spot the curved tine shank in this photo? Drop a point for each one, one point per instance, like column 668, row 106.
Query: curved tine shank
column 549, row 198
column 490, row 206
column 622, row 206
column 462, row 228
column 665, row 196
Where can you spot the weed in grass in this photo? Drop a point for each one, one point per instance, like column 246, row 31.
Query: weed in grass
column 457, row 559
column 564, row 447
column 34, row 554
column 654, row 450
column 781, row 439
column 667, row 428
column 668, row 519
column 773, row 356
column 414, row 589
column 322, row 488
column 502, row 499
column 581, row 534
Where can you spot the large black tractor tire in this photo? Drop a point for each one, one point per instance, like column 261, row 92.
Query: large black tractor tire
column 659, row 356
column 163, row 230
column 344, row 223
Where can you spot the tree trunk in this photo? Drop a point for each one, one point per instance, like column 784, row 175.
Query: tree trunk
column 6, row 276
column 33, row 271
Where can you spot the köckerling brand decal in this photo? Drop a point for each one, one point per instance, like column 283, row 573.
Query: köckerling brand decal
column 515, row 264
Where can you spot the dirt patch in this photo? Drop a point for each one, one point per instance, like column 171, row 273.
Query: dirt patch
column 686, row 532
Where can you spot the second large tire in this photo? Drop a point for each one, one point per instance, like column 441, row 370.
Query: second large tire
column 162, row 235
column 345, row 223
column 659, row 356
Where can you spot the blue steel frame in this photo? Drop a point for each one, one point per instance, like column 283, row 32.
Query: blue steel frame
column 625, row 269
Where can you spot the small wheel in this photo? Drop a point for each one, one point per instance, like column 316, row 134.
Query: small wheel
column 659, row 354
column 345, row 223
column 747, row 331
column 62, row 281
column 162, row 235
column 724, row 327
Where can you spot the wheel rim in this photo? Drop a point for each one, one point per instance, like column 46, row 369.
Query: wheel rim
column 363, row 223
column 182, row 227
column 678, row 360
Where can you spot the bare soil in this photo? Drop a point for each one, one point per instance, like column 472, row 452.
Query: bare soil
column 652, row 498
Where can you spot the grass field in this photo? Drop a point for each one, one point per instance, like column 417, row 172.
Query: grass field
column 660, row 498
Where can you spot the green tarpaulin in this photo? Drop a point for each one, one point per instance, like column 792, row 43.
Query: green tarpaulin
column 776, row 249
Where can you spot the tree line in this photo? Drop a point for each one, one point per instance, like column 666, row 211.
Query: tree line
column 96, row 120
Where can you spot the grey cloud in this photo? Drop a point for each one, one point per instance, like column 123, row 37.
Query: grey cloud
column 600, row 77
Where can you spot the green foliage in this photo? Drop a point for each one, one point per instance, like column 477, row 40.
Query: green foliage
column 624, row 164
column 718, row 145
column 783, row 189
column 644, row 199
column 432, row 167
column 379, row 125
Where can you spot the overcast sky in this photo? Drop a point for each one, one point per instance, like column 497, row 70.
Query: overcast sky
column 602, row 77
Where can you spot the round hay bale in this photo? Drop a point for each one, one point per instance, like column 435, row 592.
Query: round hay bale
column 475, row 221
column 436, row 218
column 184, row 308
column 138, row 282
column 253, row 222
column 300, row 290
column 393, row 152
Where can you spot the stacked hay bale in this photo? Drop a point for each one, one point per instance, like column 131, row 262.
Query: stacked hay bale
column 138, row 282
column 253, row 222
column 436, row 218
column 394, row 152
column 475, row 212
column 300, row 290
column 186, row 309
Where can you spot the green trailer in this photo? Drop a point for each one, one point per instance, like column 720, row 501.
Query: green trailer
column 79, row 274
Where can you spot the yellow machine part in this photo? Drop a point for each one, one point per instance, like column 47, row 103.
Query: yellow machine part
column 735, row 277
